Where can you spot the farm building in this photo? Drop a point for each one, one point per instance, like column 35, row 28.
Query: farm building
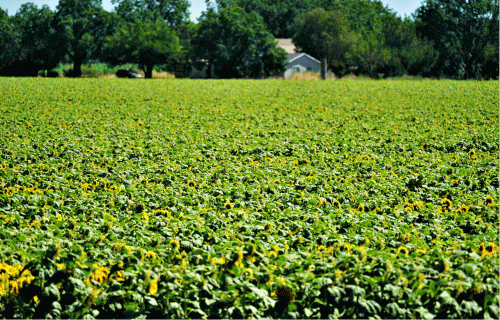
column 300, row 62
column 297, row 61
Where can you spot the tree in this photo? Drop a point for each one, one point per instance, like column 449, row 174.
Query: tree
column 39, row 48
column 146, row 43
column 186, row 32
column 9, row 42
column 365, row 16
column 82, row 26
column 278, row 15
column 325, row 35
column 237, row 44
column 370, row 53
column 409, row 55
column 464, row 32
column 173, row 12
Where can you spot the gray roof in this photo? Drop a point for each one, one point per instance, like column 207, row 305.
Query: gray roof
column 293, row 56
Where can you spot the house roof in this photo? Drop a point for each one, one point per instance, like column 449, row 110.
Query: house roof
column 297, row 55
column 286, row 44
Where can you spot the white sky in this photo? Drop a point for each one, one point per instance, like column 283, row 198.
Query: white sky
column 401, row 7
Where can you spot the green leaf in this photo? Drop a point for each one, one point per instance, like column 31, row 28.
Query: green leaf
column 151, row 300
column 308, row 312
column 130, row 306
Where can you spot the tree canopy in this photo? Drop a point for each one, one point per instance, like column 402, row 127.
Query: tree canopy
column 237, row 44
column 464, row 32
column 142, row 42
column 325, row 35
column 173, row 12
column 278, row 15
column 9, row 43
column 39, row 45
column 83, row 27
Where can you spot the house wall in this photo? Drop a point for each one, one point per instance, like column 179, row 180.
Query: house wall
column 198, row 70
column 302, row 64
column 195, row 73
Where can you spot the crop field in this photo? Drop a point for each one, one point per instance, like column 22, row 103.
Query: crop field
column 124, row 198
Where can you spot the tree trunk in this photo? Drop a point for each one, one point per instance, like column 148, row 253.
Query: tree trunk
column 149, row 71
column 77, row 67
column 209, row 70
column 323, row 68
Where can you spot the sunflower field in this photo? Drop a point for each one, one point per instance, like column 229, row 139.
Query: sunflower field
column 124, row 198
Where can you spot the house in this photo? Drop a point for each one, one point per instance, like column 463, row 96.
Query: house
column 297, row 61
column 300, row 62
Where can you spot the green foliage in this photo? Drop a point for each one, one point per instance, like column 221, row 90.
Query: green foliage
column 248, row 199
column 173, row 12
column 409, row 54
column 365, row 16
column 370, row 53
column 39, row 48
column 463, row 32
column 142, row 42
column 278, row 15
column 82, row 27
column 325, row 35
column 9, row 41
column 237, row 44
column 386, row 45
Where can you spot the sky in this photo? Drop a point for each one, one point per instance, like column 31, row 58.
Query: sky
column 401, row 7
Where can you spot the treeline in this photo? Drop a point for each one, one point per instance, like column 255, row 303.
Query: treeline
column 236, row 38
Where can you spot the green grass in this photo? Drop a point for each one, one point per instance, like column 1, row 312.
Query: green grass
column 246, row 199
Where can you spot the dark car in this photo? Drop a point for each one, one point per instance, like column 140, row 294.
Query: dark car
column 130, row 73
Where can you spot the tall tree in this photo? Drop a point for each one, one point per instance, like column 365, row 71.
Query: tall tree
column 370, row 54
column 278, row 15
column 462, row 31
column 409, row 55
column 39, row 45
column 9, row 42
column 84, row 26
column 146, row 43
column 237, row 44
column 365, row 16
column 324, row 35
column 173, row 12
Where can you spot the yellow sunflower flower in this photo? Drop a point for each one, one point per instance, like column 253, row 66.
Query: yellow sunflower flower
column 489, row 201
column 402, row 249
column 446, row 203
column 99, row 273
column 153, row 286
column 228, row 205
column 174, row 244
column 150, row 254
